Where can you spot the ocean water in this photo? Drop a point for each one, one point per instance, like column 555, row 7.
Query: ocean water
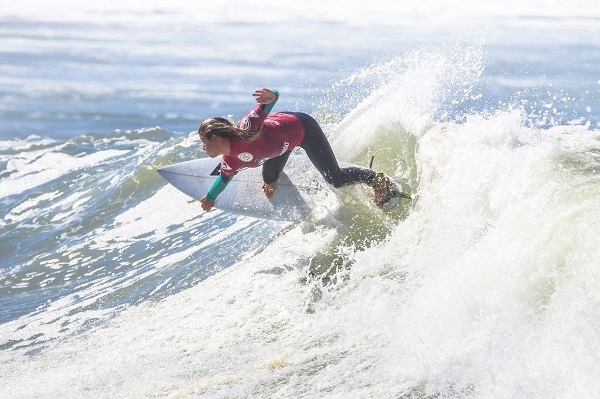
column 485, row 285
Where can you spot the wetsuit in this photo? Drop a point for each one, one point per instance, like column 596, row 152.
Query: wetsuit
column 281, row 133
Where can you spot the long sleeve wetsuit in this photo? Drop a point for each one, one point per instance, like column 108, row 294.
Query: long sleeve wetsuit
column 281, row 133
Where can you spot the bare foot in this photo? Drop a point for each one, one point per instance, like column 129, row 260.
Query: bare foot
column 268, row 189
column 381, row 190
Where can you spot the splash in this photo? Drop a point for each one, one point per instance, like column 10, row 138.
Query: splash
column 408, row 93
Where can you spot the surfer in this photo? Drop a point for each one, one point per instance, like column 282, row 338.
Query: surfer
column 261, row 138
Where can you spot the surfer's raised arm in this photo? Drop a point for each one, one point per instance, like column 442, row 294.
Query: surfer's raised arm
column 266, row 98
column 262, row 138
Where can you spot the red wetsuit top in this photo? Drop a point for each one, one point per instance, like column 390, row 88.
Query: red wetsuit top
column 281, row 133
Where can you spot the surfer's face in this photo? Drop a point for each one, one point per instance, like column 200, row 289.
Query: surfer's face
column 210, row 145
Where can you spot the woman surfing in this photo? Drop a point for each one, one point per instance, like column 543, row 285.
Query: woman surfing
column 266, row 139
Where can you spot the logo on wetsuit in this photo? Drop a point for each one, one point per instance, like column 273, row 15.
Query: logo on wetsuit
column 245, row 124
column 224, row 165
column 245, row 157
column 272, row 121
column 286, row 145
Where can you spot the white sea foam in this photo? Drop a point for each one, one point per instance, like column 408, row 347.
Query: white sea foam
column 31, row 171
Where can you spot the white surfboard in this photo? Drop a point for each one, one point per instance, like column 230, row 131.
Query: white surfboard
column 300, row 188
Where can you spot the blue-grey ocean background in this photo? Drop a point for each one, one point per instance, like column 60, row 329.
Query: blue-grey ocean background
column 113, row 284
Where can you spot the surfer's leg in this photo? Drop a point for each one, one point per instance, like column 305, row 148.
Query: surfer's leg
column 272, row 167
column 319, row 152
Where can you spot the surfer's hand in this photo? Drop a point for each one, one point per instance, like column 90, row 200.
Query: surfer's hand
column 206, row 204
column 264, row 96
column 268, row 189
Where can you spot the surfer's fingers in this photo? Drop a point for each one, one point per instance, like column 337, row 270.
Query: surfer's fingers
column 260, row 92
column 206, row 204
column 264, row 96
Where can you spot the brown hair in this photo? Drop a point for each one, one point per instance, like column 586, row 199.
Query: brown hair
column 223, row 128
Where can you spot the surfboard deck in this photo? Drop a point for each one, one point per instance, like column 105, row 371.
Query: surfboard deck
column 300, row 188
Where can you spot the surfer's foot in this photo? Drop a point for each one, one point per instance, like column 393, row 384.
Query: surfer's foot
column 385, row 192
column 268, row 189
column 380, row 189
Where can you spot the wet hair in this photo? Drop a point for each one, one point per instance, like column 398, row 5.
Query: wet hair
column 224, row 128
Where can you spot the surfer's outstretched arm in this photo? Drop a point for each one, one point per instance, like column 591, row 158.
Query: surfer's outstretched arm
column 208, row 201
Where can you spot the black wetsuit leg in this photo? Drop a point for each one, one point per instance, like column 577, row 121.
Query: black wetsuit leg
column 319, row 152
column 272, row 167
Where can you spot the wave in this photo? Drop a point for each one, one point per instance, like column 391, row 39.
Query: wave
column 484, row 285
